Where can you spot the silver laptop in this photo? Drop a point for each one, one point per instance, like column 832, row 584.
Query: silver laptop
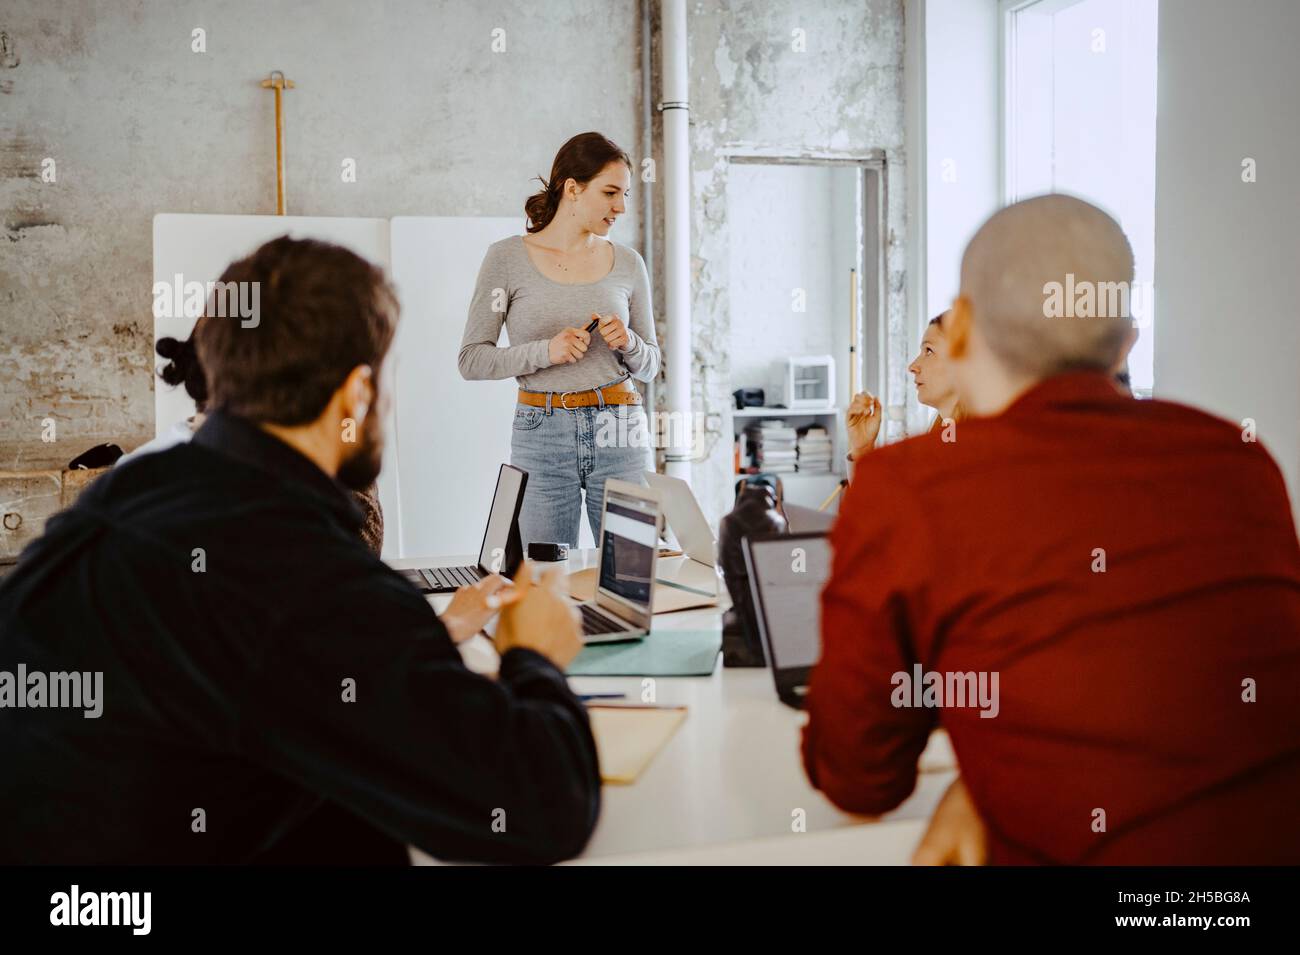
column 625, row 566
column 685, row 517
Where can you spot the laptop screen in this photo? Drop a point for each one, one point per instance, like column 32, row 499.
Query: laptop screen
column 628, row 548
column 491, row 557
column 789, row 574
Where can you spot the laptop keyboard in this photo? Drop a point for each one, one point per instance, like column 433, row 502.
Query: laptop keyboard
column 595, row 623
column 450, row 578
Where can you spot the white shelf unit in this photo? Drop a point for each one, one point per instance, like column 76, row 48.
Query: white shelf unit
column 808, row 490
column 785, row 412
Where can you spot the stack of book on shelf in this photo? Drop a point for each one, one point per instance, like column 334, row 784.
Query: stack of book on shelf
column 771, row 446
column 814, row 450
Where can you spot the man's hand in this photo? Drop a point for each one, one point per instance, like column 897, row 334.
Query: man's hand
column 541, row 618
column 613, row 330
column 863, row 423
column 956, row 835
column 568, row 346
column 473, row 606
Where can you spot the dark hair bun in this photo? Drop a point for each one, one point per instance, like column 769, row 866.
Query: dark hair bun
column 183, row 367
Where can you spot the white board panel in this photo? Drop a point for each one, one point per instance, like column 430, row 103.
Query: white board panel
column 453, row 434
column 199, row 247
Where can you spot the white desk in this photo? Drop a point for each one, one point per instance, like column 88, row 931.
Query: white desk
column 726, row 787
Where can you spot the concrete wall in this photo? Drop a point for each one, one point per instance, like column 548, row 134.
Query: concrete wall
column 1228, row 339
column 753, row 93
column 437, row 122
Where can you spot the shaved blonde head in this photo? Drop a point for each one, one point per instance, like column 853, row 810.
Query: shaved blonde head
column 1024, row 272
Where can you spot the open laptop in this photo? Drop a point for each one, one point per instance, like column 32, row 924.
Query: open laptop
column 625, row 566
column 786, row 576
column 687, row 520
column 502, row 551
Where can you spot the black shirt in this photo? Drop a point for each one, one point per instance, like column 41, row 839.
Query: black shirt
column 222, row 590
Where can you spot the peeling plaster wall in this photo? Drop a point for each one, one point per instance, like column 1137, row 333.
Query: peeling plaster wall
column 138, row 124
column 438, row 125
column 752, row 93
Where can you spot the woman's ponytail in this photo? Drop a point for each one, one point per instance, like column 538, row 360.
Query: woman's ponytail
column 541, row 206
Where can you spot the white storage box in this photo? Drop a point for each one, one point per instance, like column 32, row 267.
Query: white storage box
column 810, row 382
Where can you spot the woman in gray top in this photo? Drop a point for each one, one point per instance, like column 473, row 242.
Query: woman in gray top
column 576, row 307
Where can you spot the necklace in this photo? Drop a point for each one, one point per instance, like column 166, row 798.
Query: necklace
column 585, row 255
column 560, row 254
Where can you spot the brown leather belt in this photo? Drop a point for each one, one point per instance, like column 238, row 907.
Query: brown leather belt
column 621, row 393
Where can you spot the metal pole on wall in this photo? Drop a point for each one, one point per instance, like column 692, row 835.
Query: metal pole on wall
column 677, row 238
column 647, row 194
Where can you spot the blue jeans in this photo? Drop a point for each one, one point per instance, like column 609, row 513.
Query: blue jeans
column 569, row 452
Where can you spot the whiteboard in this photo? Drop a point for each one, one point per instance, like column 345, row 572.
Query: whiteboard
column 453, row 434
column 199, row 247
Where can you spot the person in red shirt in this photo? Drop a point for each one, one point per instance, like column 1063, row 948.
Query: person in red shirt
column 1097, row 597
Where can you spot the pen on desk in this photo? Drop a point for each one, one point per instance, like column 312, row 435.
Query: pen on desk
column 640, row 706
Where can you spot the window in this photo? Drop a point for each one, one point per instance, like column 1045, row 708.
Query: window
column 1079, row 117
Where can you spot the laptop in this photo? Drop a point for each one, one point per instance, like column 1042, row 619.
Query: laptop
column 502, row 551
column 625, row 566
column 689, row 526
column 786, row 576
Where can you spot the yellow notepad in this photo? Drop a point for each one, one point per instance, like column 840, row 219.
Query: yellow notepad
column 628, row 737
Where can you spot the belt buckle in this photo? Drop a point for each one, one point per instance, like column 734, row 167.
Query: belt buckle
column 563, row 396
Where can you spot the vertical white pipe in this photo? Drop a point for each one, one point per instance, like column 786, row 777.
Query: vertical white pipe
column 647, row 195
column 677, row 236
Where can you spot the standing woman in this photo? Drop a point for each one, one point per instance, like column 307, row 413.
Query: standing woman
column 579, row 419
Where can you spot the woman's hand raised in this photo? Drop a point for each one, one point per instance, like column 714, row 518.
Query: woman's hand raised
column 863, row 423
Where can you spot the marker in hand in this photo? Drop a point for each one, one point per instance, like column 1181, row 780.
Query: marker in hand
column 591, row 325
column 569, row 346
column 612, row 330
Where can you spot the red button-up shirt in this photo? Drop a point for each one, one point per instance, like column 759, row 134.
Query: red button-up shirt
column 1129, row 571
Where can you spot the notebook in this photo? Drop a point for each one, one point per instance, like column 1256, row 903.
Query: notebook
column 628, row 737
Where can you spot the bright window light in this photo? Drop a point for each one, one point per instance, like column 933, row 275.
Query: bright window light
column 1080, row 118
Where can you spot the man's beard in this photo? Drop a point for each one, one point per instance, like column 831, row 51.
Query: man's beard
column 362, row 469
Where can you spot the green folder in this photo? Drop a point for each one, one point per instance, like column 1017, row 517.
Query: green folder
column 662, row 653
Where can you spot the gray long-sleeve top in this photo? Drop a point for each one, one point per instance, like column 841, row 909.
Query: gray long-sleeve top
column 535, row 309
